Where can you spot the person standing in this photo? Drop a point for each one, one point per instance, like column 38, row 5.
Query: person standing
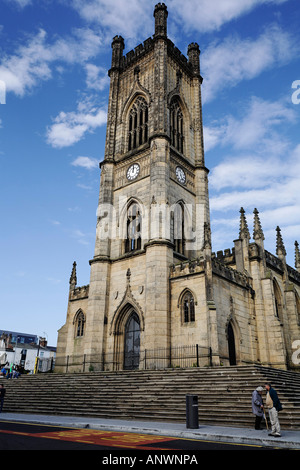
column 2, row 395
column 274, row 406
column 257, row 406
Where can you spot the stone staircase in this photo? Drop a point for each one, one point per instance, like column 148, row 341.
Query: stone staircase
column 224, row 394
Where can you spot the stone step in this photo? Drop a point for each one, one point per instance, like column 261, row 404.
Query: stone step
column 224, row 394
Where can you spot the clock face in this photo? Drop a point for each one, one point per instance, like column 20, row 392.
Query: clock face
column 180, row 174
column 133, row 171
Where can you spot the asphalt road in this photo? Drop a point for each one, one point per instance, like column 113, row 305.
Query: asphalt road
column 22, row 436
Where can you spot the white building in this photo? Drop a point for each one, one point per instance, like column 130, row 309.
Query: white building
column 25, row 355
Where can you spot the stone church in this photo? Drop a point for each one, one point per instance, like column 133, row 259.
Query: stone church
column 158, row 295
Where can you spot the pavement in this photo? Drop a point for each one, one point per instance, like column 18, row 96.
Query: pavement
column 290, row 439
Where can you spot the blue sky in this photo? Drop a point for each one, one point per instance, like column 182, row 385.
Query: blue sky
column 54, row 57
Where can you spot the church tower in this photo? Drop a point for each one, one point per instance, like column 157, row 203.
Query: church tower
column 153, row 209
column 156, row 288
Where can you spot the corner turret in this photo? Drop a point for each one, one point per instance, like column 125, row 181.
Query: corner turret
column 118, row 46
column 297, row 256
column 160, row 14
column 194, row 57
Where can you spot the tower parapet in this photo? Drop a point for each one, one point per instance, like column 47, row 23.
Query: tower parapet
column 120, row 62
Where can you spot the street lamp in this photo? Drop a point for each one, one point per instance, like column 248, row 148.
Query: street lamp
column 37, row 359
column 16, row 344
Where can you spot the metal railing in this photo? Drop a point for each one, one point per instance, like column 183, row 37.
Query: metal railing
column 155, row 359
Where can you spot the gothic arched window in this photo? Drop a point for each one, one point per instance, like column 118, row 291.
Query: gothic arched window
column 188, row 308
column 278, row 301
column 176, row 125
column 79, row 323
column 132, row 342
column 133, row 239
column 138, row 123
column 298, row 308
column 231, row 344
column 178, row 229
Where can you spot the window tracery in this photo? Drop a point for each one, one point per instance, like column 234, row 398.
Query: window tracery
column 178, row 229
column 278, row 301
column 133, row 240
column 176, row 125
column 188, row 307
column 79, row 323
column 138, row 124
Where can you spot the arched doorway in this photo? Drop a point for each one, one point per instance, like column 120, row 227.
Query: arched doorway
column 132, row 342
column 231, row 345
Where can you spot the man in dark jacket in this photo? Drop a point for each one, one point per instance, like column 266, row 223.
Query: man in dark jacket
column 2, row 395
column 274, row 406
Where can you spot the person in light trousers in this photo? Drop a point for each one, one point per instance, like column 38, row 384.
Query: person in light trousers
column 274, row 406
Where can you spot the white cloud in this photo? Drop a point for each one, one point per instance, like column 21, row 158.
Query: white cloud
column 81, row 237
column 134, row 18
column 55, row 222
column 97, row 77
column 225, row 64
column 86, row 162
column 260, row 198
column 222, row 64
column 287, row 217
column 213, row 135
column 69, row 128
column 245, row 172
column 269, row 184
column 27, row 66
column 255, row 127
column 264, row 182
column 32, row 62
column 131, row 19
column 261, row 169
column 210, row 15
